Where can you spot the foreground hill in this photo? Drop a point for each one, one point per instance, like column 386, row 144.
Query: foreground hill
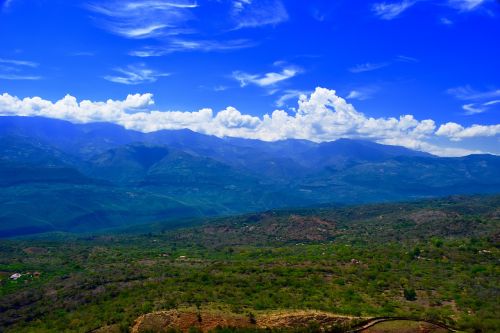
column 433, row 260
column 59, row 176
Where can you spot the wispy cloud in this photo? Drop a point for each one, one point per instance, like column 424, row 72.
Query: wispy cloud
column 18, row 62
column 467, row 93
column 178, row 25
column 479, row 101
column 17, row 77
column 392, row 10
column 368, row 67
column 466, row 5
column 13, row 69
column 403, row 58
column 362, row 93
column 389, row 11
column 266, row 79
column 135, row 74
column 477, row 108
column 182, row 45
column 82, row 54
column 143, row 19
column 446, row 21
column 471, row 109
column 5, row 4
column 495, row 102
column 219, row 88
column 252, row 13
column 290, row 95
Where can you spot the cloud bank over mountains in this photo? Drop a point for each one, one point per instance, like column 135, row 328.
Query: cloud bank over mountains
column 321, row 116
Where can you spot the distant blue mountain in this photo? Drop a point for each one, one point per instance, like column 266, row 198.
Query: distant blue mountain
column 59, row 176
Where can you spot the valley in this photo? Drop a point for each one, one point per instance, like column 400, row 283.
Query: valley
column 432, row 260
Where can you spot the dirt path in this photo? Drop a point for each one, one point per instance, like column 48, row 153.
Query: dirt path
column 364, row 326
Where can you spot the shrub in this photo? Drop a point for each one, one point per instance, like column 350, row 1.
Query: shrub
column 410, row 294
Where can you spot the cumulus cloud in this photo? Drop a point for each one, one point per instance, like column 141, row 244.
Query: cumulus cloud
column 321, row 116
column 457, row 132
column 135, row 74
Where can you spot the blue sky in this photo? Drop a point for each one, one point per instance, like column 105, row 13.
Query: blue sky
column 431, row 60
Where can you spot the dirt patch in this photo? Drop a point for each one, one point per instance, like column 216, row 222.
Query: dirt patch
column 405, row 326
column 161, row 321
column 206, row 321
column 300, row 319
column 427, row 216
column 108, row 329
column 35, row 250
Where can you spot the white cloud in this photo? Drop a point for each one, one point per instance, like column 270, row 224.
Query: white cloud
column 403, row 58
column 392, row 10
column 184, row 45
column 466, row 5
column 231, row 118
column 368, row 67
column 11, row 69
column 267, row 79
column 469, row 94
column 480, row 101
column 457, row 132
column 471, row 109
column 389, row 11
column 18, row 62
column 6, row 4
column 16, row 77
column 362, row 93
column 476, row 108
column 180, row 27
column 497, row 101
column 144, row 19
column 257, row 13
column 446, row 21
column 322, row 116
column 289, row 95
column 135, row 74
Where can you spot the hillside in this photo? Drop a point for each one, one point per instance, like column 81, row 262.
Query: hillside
column 432, row 260
column 102, row 176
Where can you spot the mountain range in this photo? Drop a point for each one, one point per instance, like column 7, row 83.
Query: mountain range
column 60, row 176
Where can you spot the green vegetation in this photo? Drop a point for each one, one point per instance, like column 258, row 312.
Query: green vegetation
column 98, row 177
column 435, row 260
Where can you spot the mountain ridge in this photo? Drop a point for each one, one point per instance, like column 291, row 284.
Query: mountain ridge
column 182, row 174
